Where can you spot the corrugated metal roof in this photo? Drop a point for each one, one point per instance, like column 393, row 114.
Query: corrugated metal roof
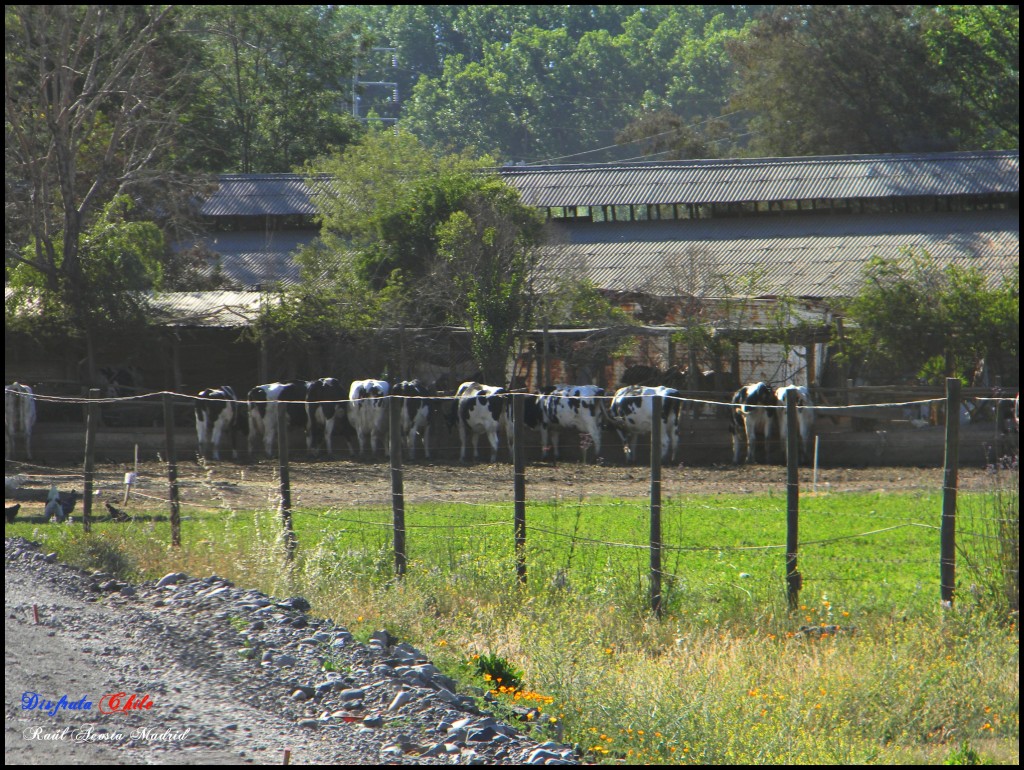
column 260, row 195
column 685, row 182
column 802, row 256
column 767, row 179
column 208, row 308
column 250, row 259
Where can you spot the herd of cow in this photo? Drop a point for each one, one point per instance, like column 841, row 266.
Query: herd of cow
column 478, row 410
column 324, row 408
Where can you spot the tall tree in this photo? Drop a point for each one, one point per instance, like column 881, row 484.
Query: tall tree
column 434, row 239
column 977, row 49
column 913, row 316
column 90, row 104
column 278, row 80
column 838, row 79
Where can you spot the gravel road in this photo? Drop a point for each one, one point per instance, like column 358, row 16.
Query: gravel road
column 220, row 675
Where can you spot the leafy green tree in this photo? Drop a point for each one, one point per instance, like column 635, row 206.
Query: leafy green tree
column 278, row 82
column 431, row 239
column 121, row 263
column 911, row 317
column 488, row 252
column 382, row 199
column 977, row 50
column 91, row 102
column 836, row 79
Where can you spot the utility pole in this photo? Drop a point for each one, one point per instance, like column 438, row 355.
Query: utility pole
column 356, row 83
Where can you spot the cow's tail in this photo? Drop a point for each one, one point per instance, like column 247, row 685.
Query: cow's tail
column 607, row 418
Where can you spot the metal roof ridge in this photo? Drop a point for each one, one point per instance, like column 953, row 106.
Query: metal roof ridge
column 958, row 155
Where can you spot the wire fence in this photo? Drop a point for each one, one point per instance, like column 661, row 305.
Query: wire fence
column 567, row 530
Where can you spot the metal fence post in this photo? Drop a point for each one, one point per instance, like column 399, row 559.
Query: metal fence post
column 947, row 558
column 284, row 481
column 519, row 485
column 793, row 578
column 397, row 482
column 91, row 418
column 172, row 469
column 656, row 412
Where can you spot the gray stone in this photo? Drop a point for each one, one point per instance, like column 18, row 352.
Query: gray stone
column 171, row 579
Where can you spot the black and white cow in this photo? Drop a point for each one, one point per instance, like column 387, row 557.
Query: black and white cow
column 804, row 416
column 325, row 402
column 416, row 411
column 480, row 410
column 753, row 414
column 263, row 405
column 19, row 417
column 368, row 412
column 631, row 412
column 217, row 411
column 572, row 407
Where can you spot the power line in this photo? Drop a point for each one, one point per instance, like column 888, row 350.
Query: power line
column 547, row 161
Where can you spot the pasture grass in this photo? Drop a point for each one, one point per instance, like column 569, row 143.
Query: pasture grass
column 725, row 675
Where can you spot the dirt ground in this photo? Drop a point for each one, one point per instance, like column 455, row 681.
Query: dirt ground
column 348, row 484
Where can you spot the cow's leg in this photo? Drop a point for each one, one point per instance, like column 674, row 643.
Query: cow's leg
column 769, row 430
column 409, row 441
column 462, row 440
column 252, row 439
column 218, row 429
column 550, row 443
column 426, row 440
column 673, row 439
column 492, row 436
column 200, row 438
column 328, row 432
column 750, row 428
column 269, row 434
column 737, row 442
column 595, row 436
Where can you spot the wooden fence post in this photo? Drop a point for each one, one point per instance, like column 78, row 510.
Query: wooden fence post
column 947, row 559
column 284, row 482
column 172, row 469
column 397, row 483
column 656, row 412
column 91, row 418
column 519, row 485
column 793, row 578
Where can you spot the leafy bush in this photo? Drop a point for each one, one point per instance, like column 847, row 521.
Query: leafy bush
column 500, row 671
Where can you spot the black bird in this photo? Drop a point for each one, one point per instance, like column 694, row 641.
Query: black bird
column 12, row 512
column 116, row 513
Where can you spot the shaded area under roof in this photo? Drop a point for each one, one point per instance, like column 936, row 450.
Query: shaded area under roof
column 803, row 256
column 768, row 179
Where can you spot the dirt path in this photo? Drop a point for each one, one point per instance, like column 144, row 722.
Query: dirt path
column 219, row 675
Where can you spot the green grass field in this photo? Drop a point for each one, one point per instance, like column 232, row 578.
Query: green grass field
column 723, row 676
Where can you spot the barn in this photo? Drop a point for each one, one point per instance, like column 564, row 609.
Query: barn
column 716, row 240
column 666, row 237
column 720, row 241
